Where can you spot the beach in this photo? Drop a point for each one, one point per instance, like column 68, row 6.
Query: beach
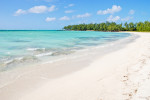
column 121, row 73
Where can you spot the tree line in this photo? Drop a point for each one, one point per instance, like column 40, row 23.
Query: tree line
column 111, row 26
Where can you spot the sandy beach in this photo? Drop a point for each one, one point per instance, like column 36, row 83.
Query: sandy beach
column 122, row 74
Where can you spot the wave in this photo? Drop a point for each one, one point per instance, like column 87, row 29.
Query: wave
column 44, row 54
column 34, row 49
column 14, row 61
column 11, row 61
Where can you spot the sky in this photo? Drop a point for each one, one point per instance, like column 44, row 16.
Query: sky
column 55, row 14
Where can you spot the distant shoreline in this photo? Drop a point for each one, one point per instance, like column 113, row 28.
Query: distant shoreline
column 31, row 30
column 108, row 31
column 111, row 26
column 75, row 30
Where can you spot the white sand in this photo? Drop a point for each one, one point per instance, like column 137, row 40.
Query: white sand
column 120, row 75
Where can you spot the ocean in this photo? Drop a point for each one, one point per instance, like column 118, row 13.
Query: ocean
column 20, row 47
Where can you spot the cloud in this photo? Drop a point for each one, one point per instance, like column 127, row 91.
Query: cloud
column 64, row 18
column 70, row 5
column 113, row 19
column 131, row 12
column 35, row 9
column 38, row 9
column 113, row 10
column 20, row 12
column 69, row 11
column 49, row 19
column 84, row 15
column 126, row 18
column 52, row 8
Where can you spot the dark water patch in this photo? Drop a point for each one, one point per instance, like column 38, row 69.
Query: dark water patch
column 20, row 41
column 15, row 47
column 89, row 38
column 110, row 39
column 87, row 44
column 98, row 38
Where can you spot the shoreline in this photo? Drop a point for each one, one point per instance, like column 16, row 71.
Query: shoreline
column 95, row 52
column 35, row 54
column 87, row 83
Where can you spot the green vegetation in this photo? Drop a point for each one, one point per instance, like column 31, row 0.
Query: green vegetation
column 111, row 26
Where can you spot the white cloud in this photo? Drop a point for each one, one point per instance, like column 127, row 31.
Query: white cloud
column 64, row 18
column 35, row 9
column 113, row 19
column 52, row 8
column 19, row 12
column 126, row 18
column 84, row 15
column 131, row 12
column 70, row 5
column 48, row 19
column 69, row 11
column 38, row 9
column 113, row 10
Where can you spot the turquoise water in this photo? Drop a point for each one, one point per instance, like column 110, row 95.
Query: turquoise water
column 28, row 46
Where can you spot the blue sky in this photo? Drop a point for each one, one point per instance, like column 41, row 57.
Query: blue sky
column 54, row 14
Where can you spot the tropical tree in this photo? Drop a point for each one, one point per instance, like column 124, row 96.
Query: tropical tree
column 111, row 26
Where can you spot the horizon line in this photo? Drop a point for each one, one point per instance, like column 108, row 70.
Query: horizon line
column 29, row 30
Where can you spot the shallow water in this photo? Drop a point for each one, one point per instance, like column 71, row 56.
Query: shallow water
column 19, row 47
